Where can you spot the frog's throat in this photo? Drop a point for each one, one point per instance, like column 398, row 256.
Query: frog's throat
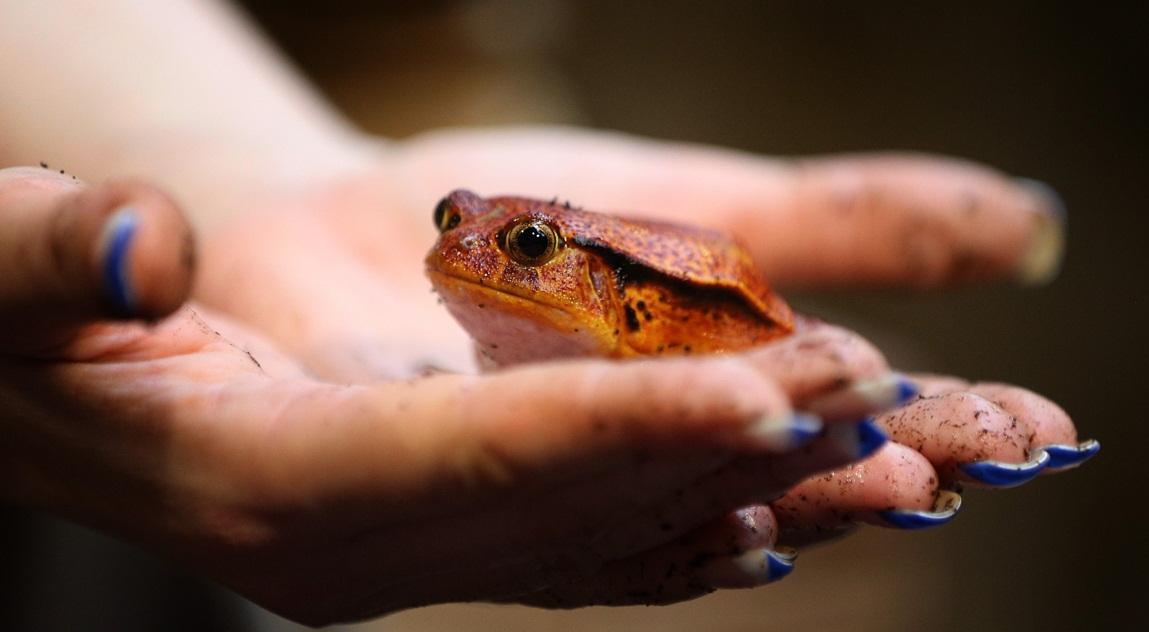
column 464, row 296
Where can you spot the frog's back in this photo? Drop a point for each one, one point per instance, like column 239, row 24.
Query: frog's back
column 681, row 289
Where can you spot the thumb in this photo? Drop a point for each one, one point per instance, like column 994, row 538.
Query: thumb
column 72, row 253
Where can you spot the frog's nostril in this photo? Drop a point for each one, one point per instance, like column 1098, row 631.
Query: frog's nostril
column 471, row 242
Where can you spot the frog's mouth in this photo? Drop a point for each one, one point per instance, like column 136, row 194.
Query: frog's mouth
column 456, row 291
column 448, row 282
column 511, row 328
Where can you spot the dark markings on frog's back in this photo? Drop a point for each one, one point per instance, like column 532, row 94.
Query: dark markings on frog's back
column 632, row 319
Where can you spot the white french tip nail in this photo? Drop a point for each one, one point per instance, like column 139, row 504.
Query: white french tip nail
column 751, row 568
column 865, row 396
column 786, row 433
column 1042, row 258
column 892, row 389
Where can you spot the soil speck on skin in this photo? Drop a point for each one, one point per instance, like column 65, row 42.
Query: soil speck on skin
column 253, row 360
column 699, row 560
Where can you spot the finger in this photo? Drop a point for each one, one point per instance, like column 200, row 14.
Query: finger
column 896, row 487
column 736, row 551
column 552, row 421
column 672, row 512
column 72, row 253
column 909, row 220
column 620, row 515
column 832, row 372
column 508, row 436
column 1050, row 428
column 913, row 221
column 966, row 437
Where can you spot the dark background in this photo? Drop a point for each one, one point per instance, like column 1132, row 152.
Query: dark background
column 1044, row 92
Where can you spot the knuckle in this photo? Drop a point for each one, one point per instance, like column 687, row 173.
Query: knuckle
column 825, row 350
column 958, row 427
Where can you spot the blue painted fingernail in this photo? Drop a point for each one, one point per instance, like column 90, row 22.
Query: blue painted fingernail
column 1000, row 474
column 945, row 509
column 753, row 567
column 779, row 564
column 907, row 390
column 858, row 440
column 1066, row 456
column 870, row 438
column 804, row 429
column 119, row 230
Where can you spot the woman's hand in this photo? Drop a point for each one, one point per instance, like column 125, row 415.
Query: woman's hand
column 883, row 220
column 556, row 484
column 198, row 438
column 332, row 269
column 210, row 440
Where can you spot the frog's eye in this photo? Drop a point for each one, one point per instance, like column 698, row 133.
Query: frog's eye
column 532, row 243
column 445, row 218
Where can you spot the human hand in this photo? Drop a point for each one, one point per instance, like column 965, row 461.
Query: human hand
column 914, row 221
column 158, row 445
column 949, row 223
column 197, row 438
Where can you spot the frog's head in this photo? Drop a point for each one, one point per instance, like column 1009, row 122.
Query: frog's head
column 513, row 274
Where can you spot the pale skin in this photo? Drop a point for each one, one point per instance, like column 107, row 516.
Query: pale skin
column 274, row 432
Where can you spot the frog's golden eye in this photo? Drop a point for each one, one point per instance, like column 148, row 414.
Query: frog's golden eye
column 532, row 243
column 445, row 218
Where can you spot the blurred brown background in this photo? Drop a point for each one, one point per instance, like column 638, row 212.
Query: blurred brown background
column 1045, row 92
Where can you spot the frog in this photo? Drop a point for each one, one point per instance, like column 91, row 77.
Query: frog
column 533, row 280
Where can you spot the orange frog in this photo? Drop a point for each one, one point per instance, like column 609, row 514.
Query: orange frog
column 533, row 280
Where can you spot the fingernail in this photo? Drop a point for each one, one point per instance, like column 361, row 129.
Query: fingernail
column 1068, row 456
column 115, row 244
column 876, row 394
column 1042, row 259
column 779, row 563
column 907, row 390
column 998, row 474
column 752, row 568
column 783, row 434
column 945, row 508
column 860, row 439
